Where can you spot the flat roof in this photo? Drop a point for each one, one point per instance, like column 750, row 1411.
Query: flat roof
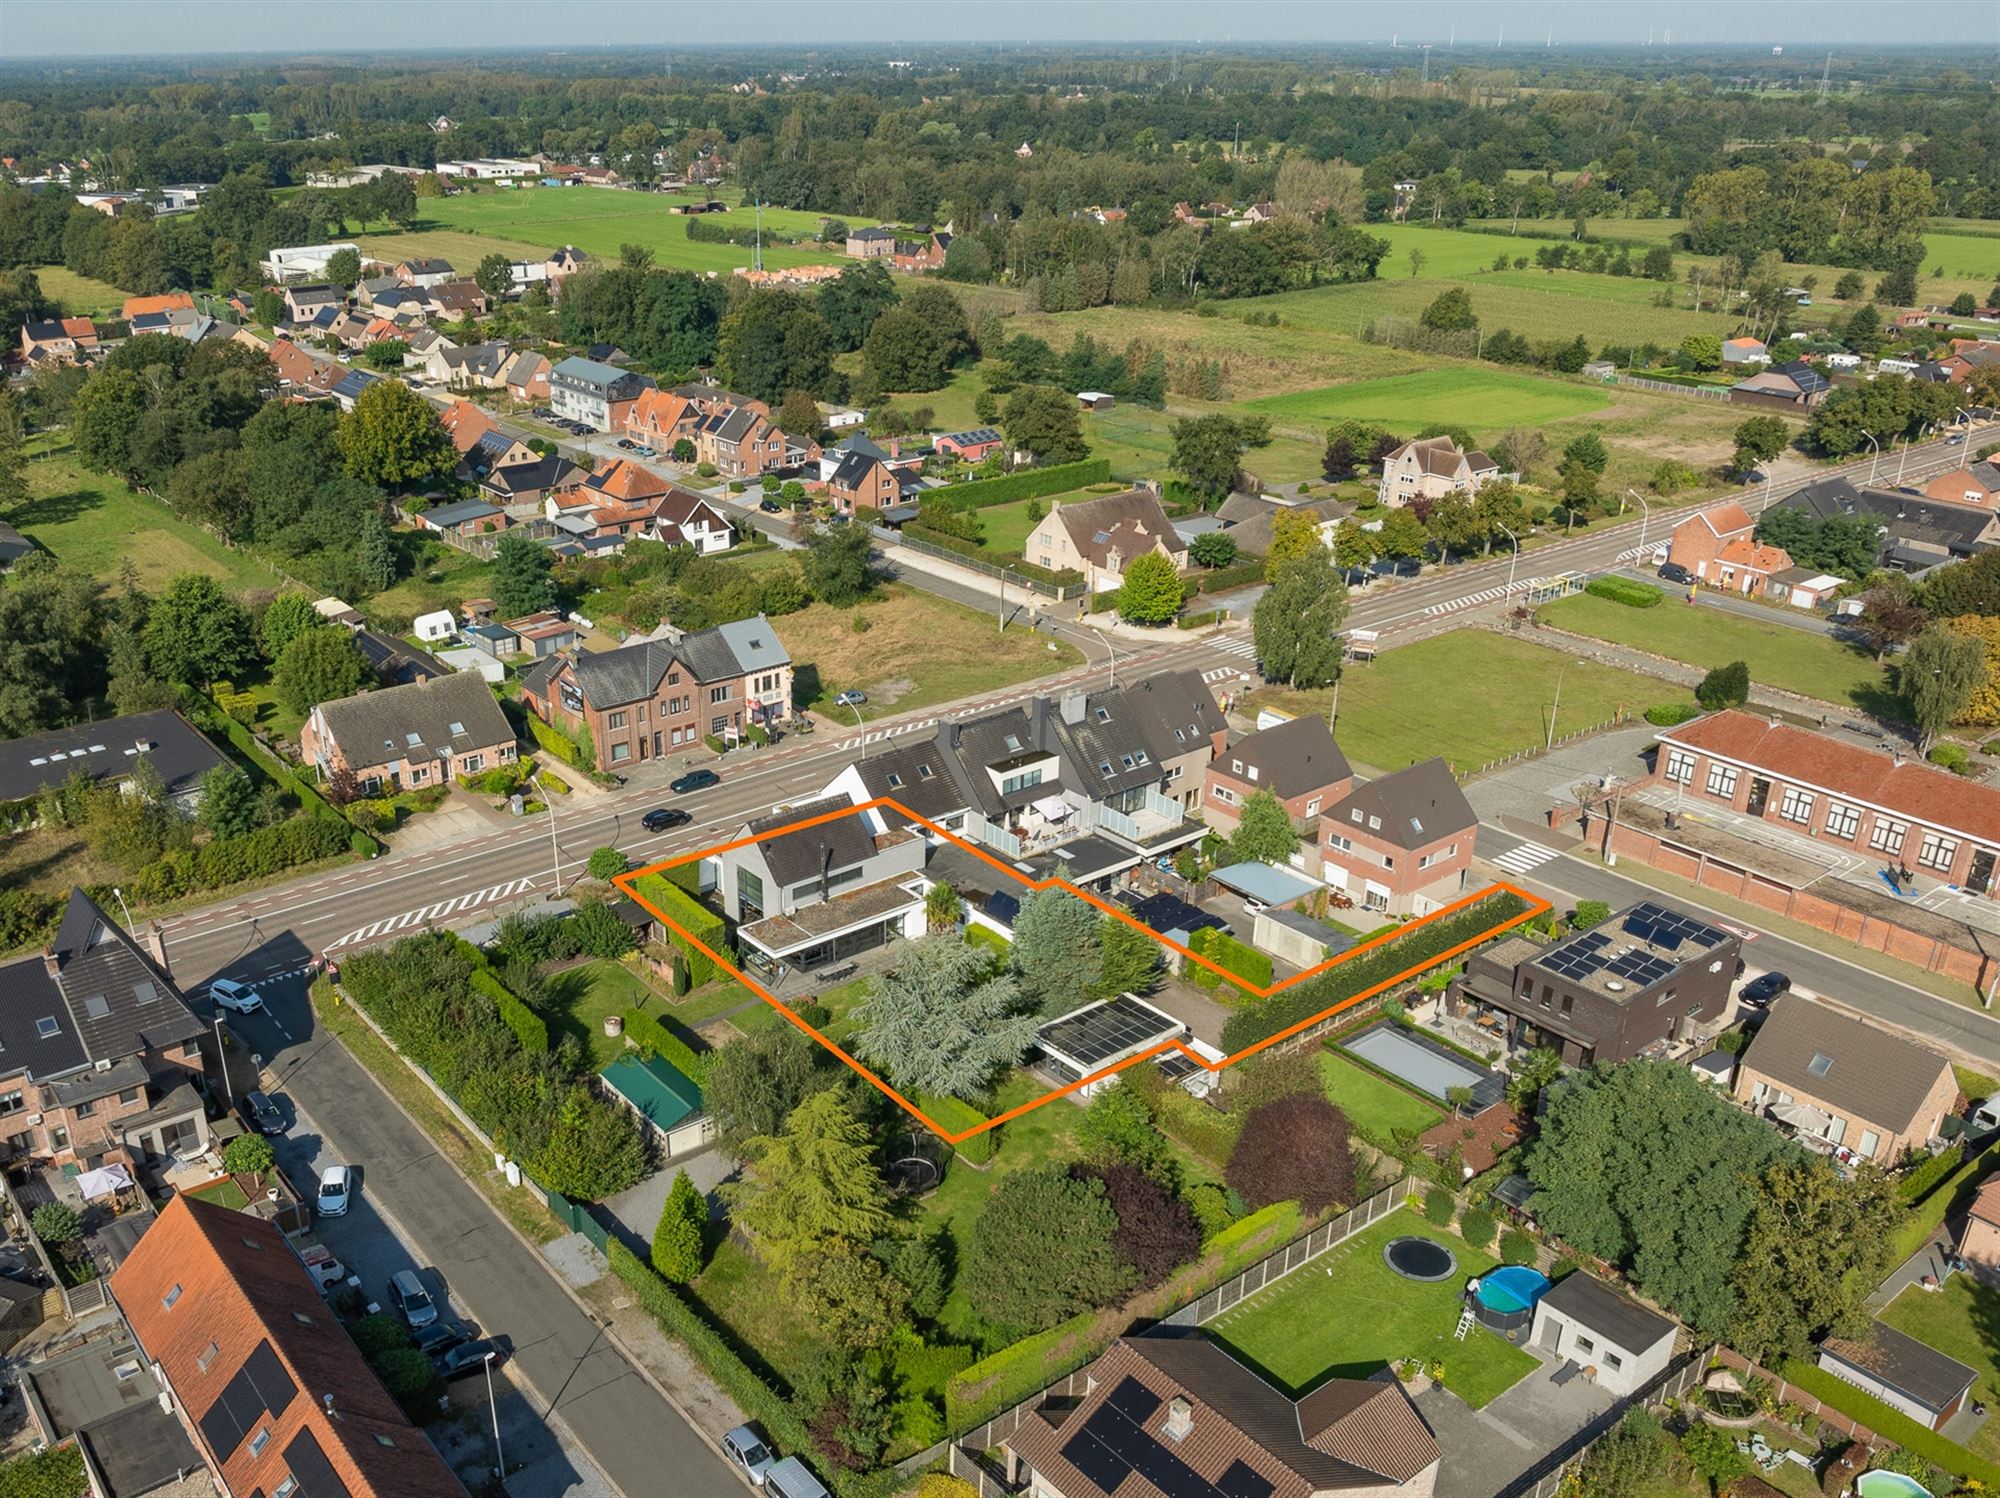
column 1264, row 881
column 659, row 1090
column 779, row 934
column 1615, row 1316
column 1100, row 1034
column 140, row 1450
column 1085, row 859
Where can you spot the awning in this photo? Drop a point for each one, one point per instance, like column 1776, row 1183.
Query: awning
column 1806, row 1119
column 1054, row 808
column 106, row 1180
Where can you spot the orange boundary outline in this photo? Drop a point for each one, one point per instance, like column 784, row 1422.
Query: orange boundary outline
column 628, row 882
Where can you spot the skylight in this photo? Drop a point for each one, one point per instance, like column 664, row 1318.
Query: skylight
column 1820, row 1064
column 97, row 1006
column 47, row 1027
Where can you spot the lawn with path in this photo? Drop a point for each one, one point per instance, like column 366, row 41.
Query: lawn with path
column 1470, row 695
column 1778, row 654
column 1961, row 1320
column 1488, row 400
column 1348, row 1314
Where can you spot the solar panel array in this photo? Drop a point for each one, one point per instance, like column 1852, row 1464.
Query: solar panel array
column 1579, row 958
column 1114, row 1443
column 1648, row 924
column 1669, row 928
column 1640, row 968
column 1113, row 1029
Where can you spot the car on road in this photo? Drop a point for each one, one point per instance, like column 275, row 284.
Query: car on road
column 662, row 817
column 1954, row 439
column 1674, row 572
column 770, row 506
column 746, row 1448
column 1758, row 992
column 468, row 1358
column 545, row 412
column 850, row 699
column 336, row 1190
column 441, row 1336
column 262, row 1113
column 411, row 1300
column 645, row 452
column 240, row 997
column 695, row 780
column 792, row 1478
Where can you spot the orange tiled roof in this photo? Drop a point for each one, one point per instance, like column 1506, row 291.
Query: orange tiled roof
column 139, row 306
column 1726, row 519
column 1754, row 556
column 627, row 481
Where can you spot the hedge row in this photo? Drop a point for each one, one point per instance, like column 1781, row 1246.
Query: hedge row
column 1233, row 1241
column 1627, row 591
column 1920, row 1182
column 527, row 1025
column 1928, row 1215
column 1892, row 1423
column 655, row 1039
column 288, row 779
column 692, row 916
column 955, row 1117
column 1001, row 1381
column 1417, row 947
column 1246, row 962
column 1672, row 714
column 255, row 855
column 1025, row 483
column 1223, row 579
column 556, row 742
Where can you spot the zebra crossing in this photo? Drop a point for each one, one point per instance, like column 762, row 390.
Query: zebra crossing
column 1525, row 857
column 1472, row 600
column 424, row 915
column 880, row 735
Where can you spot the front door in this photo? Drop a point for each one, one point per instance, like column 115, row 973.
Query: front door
column 1760, row 792
column 1980, row 880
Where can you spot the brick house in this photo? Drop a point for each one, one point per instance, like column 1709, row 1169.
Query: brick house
column 597, row 394
column 1698, row 541
column 1892, row 812
column 1747, row 566
column 1979, row 1238
column 98, row 1050
column 661, row 696
column 859, row 479
column 1843, row 1086
column 1975, row 484
column 871, row 244
column 273, row 1391
column 1298, row 762
column 1431, row 468
column 1101, row 537
column 408, row 737
column 974, row 446
column 58, row 340
column 740, row 442
column 660, row 418
column 1401, row 844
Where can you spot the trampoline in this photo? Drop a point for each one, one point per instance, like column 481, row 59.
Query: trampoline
column 1420, row 1259
column 1504, row 1298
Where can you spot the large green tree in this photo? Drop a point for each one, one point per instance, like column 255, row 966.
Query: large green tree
column 679, row 1238
column 1042, row 1251
column 942, row 1021
column 836, row 565
column 1296, row 623
column 1938, row 675
column 196, row 633
column 1264, row 832
column 286, row 617
column 1046, row 422
column 1056, row 950
column 1816, row 1245
column 1150, row 593
column 753, row 1086
column 773, row 342
column 812, row 1183
column 393, row 437
column 53, row 620
column 851, row 303
column 1207, row 453
column 1644, row 1166
column 522, row 582
column 321, row 665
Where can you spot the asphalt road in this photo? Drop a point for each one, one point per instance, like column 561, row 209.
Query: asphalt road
column 471, row 1256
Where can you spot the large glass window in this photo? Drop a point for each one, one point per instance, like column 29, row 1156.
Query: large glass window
column 1887, row 835
column 749, row 893
column 1680, row 767
column 1842, row 820
column 1937, row 851
column 1796, row 805
column 1722, row 780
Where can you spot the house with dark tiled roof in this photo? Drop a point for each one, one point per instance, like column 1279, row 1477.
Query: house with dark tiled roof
column 1917, row 533
column 1298, row 762
column 1974, row 484
column 972, row 446
column 1842, row 1086
column 1179, row 1415
column 665, row 694
column 1795, row 383
column 739, row 441
column 13, row 546
column 1889, row 811
column 58, row 340
column 874, row 243
column 99, row 1052
column 408, row 737
column 1102, row 537
column 304, row 303
column 109, row 751
column 426, row 270
column 1432, row 467
column 860, row 479
column 1402, row 843
column 272, row 1390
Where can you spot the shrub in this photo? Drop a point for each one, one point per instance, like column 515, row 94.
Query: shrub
column 1439, row 1204
column 606, row 864
column 1475, row 1226
column 1670, row 714
column 56, row 1223
column 1010, row 1375
column 1725, row 686
column 1245, row 962
column 1025, row 483
column 1923, row 1178
column 528, row 1026
column 690, row 915
column 554, row 741
column 52, row 1472
column 1517, row 1247
column 1625, row 590
column 955, row 1117
column 1951, row 757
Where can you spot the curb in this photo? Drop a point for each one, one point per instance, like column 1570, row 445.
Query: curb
column 609, row 1332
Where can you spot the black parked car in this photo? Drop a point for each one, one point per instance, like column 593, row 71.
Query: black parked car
column 1758, row 992
column 467, row 1358
column 660, row 819
column 441, row 1337
column 1674, row 572
column 695, row 780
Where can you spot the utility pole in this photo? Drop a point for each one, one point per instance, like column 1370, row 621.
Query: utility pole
column 757, row 255
column 1825, row 78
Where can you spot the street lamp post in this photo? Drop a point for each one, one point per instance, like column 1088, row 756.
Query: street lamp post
column 1549, row 741
column 1110, row 654
column 1645, row 514
column 1965, row 442
column 555, row 848
column 860, row 727
column 1516, row 557
column 493, row 1405
column 222, row 1063
column 1878, row 455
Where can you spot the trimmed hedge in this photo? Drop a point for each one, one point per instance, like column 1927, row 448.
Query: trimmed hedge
column 286, row 777
column 1421, row 946
column 527, row 1025
column 1026, row 483
column 255, row 855
column 1627, row 591
column 655, row 1039
column 956, row 1117
column 1016, row 1371
column 1928, row 1215
column 1232, row 1240
column 1920, row 1182
column 707, row 926
column 1892, row 1423
column 1223, row 579
column 1246, row 962
column 1671, row 714
column 555, row 741
column 987, row 937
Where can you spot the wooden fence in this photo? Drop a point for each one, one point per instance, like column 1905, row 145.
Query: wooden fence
column 1545, row 1478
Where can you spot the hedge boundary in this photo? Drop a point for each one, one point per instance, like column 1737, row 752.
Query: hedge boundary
column 1026, row 483
column 693, row 916
column 956, row 1117
column 1246, row 962
column 1016, row 1371
column 655, row 1039
column 1858, row 1404
column 1624, row 590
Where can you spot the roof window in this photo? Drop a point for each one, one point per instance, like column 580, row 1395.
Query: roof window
column 47, row 1027
column 1820, row 1064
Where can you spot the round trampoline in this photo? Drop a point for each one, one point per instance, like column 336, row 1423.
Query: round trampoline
column 1419, row 1258
column 1505, row 1298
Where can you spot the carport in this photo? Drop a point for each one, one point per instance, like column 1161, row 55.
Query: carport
column 1265, row 883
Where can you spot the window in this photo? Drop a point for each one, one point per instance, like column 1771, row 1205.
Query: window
column 1338, row 843
column 718, row 726
column 47, row 1027
column 11, row 1102
column 895, row 781
column 286, row 1488
column 1021, row 781
column 673, row 707
column 620, row 753
column 1842, row 820
column 84, row 1110
column 20, row 1144
column 1585, row 1343
column 260, row 1440
column 1680, row 767
column 1795, row 805
column 1870, row 1142
column 1722, row 780
column 1569, row 1001
column 719, row 694
column 1223, row 794
column 1937, row 851
column 302, row 1318
column 1612, row 1360
column 1312, row 807
column 167, row 1300
column 382, row 1440
column 1887, row 835
column 616, row 721
column 208, row 1354
column 472, row 764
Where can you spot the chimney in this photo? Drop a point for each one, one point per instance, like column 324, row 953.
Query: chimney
column 155, row 937
column 1180, row 1418
column 1072, row 707
column 50, row 961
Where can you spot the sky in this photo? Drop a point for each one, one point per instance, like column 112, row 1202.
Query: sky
column 45, row 28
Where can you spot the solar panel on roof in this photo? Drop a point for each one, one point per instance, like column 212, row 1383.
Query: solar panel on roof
column 1639, row 927
column 1641, row 968
column 1239, row 1481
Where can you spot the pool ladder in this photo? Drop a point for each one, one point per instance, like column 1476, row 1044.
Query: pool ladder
column 1465, row 1319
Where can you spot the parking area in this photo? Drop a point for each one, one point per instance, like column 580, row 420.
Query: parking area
column 1487, row 1449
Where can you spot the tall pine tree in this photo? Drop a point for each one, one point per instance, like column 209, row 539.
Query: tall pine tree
column 678, row 1241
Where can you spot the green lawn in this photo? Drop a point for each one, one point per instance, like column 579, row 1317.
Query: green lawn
column 582, row 996
column 96, row 524
column 1469, row 695
column 1376, row 1107
column 80, row 296
column 1962, row 1321
column 1487, row 400
column 1779, row 655
column 225, row 1193
column 1348, row 1314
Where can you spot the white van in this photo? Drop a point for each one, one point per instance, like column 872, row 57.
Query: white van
column 792, row 1478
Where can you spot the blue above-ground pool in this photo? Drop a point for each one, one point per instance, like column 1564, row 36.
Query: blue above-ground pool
column 1505, row 1299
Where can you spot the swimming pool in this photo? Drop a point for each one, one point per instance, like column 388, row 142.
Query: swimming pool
column 1505, row 1299
column 1880, row 1484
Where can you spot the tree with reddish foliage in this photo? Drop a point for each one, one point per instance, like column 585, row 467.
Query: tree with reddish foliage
column 1293, row 1149
column 1156, row 1232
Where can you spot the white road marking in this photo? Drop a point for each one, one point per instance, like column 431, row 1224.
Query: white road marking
column 426, row 914
column 1527, row 856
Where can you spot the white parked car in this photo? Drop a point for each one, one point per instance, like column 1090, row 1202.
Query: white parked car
column 240, row 997
column 336, row 1186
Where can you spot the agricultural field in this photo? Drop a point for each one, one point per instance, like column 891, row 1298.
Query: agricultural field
column 80, row 296
column 1488, row 400
column 598, row 220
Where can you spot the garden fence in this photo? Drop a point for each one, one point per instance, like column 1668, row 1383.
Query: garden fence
column 1006, row 575
column 1668, row 387
column 573, row 1215
column 1545, row 1478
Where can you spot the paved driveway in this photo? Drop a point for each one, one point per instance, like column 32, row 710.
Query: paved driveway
column 1485, row 1450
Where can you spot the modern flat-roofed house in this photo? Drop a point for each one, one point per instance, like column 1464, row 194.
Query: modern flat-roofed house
column 656, row 696
column 1180, row 1415
column 273, row 1390
column 1298, row 762
column 1431, row 468
column 1648, row 974
column 98, row 1050
column 1102, row 537
column 304, row 262
column 1842, row 1086
column 109, row 751
column 1907, row 1375
column 598, row 395
column 1620, row 1343
column 408, row 737
column 1402, row 843
column 1892, row 811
